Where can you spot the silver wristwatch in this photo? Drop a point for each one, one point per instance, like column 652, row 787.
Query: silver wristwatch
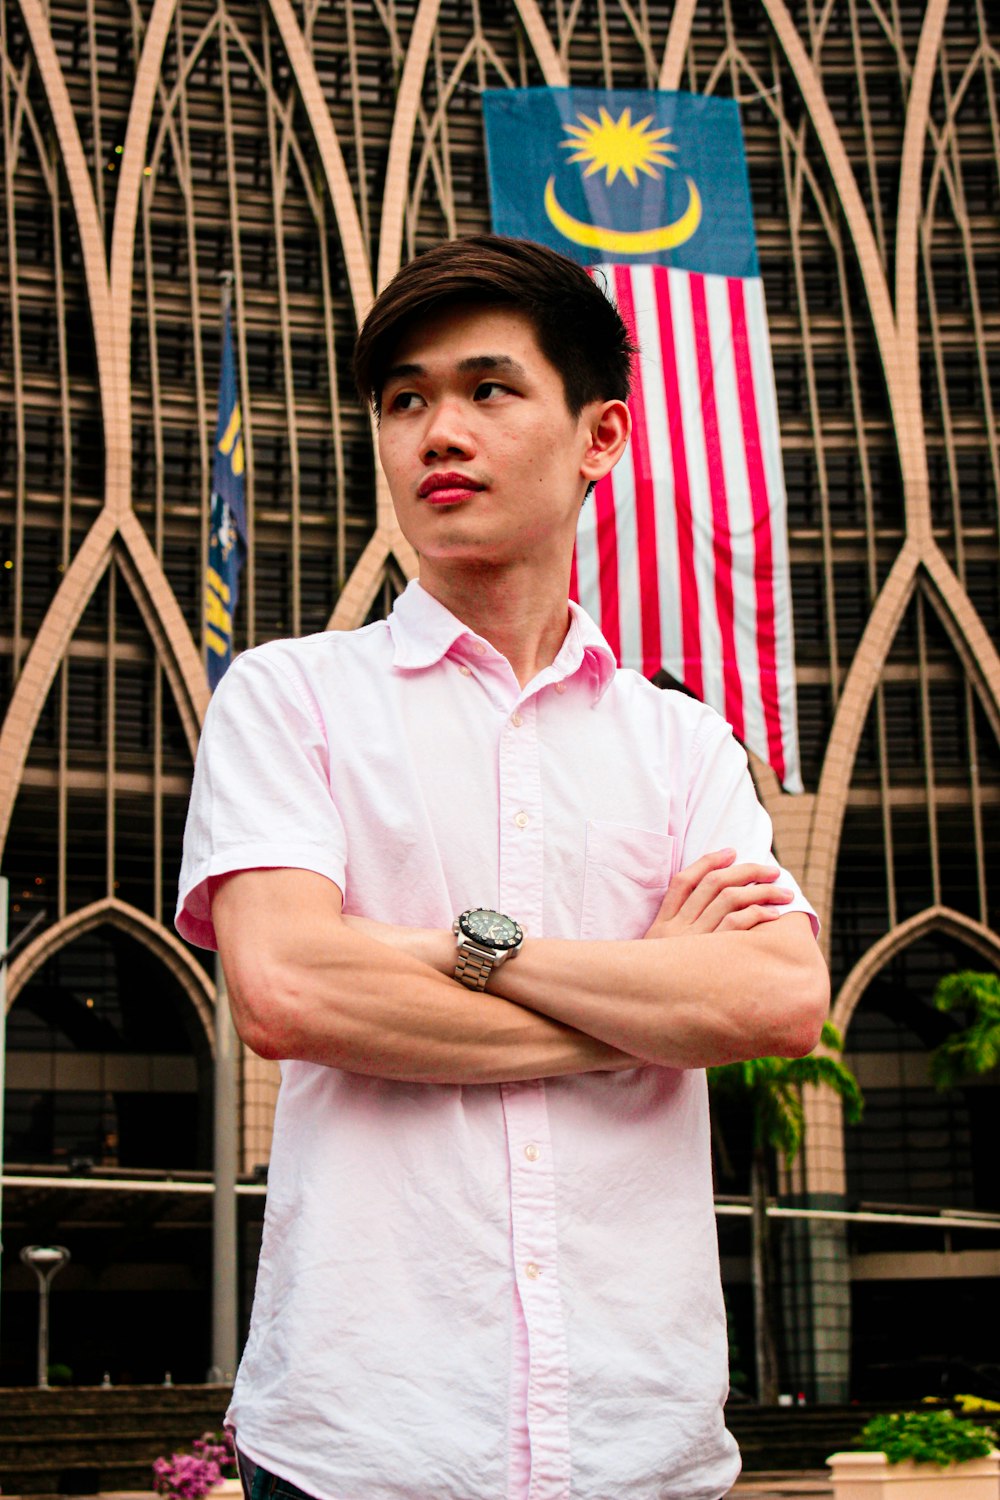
column 485, row 938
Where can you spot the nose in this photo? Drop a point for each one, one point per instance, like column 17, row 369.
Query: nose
column 446, row 432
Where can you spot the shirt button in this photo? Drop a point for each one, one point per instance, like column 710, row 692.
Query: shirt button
column 521, row 819
column 465, row 671
column 560, row 687
column 533, row 1269
column 532, row 1153
column 516, row 720
column 479, row 649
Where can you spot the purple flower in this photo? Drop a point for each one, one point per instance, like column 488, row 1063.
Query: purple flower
column 218, row 1448
column 185, row 1476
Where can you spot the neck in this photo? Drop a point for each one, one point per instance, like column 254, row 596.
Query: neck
column 524, row 616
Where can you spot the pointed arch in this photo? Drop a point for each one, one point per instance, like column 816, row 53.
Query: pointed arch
column 974, row 649
column 944, row 919
column 390, row 247
column 971, row 640
column 355, row 252
column 359, row 592
column 45, row 656
column 678, row 39
column 553, row 68
column 118, row 455
column 161, row 614
column 859, row 688
column 167, row 626
column 859, row 224
column 81, row 192
column 111, row 912
column 911, row 183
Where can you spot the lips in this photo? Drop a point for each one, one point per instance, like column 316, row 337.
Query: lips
column 448, row 489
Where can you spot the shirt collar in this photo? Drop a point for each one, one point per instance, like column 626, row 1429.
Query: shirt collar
column 423, row 631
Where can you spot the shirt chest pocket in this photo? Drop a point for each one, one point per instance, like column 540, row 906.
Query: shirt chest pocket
column 626, row 873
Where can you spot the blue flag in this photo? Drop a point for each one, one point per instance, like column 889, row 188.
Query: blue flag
column 228, row 525
column 627, row 177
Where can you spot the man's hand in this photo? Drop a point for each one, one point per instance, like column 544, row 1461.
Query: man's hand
column 714, row 895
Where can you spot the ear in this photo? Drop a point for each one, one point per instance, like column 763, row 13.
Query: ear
column 608, row 424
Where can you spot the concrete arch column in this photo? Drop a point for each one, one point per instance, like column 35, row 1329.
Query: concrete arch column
column 816, row 1252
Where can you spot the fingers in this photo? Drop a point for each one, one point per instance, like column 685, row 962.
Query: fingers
column 686, row 882
column 713, row 894
column 750, row 916
column 737, row 908
column 720, row 891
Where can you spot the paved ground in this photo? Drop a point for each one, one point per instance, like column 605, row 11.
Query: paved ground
column 782, row 1486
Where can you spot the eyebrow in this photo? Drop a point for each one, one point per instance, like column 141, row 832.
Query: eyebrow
column 501, row 364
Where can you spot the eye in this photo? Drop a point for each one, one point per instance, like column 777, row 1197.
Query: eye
column 403, row 401
column 486, row 389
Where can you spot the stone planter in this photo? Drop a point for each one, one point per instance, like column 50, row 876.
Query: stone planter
column 870, row 1476
column 224, row 1489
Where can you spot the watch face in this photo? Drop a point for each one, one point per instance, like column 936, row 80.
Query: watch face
column 491, row 928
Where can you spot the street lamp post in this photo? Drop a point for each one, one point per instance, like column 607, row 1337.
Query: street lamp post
column 6, row 954
column 46, row 1261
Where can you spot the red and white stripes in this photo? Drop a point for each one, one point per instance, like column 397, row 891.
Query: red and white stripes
column 682, row 554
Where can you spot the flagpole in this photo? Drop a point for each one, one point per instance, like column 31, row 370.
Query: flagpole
column 224, row 1251
column 225, row 1146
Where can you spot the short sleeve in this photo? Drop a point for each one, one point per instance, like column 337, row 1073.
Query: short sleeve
column 724, row 811
column 261, row 796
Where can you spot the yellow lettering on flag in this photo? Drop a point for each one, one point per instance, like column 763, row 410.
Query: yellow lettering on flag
column 215, row 614
column 216, row 585
column 231, row 442
column 232, row 432
column 217, row 617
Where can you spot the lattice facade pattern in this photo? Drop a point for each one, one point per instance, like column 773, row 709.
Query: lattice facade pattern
column 312, row 147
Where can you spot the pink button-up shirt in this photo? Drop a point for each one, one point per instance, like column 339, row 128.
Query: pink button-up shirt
column 482, row 1292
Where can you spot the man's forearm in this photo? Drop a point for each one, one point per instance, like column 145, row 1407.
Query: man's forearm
column 316, row 990
column 306, row 982
column 687, row 1001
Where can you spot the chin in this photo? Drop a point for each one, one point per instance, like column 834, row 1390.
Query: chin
column 457, row 538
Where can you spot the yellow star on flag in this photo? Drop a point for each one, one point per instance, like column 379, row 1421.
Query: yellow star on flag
column 614, row 146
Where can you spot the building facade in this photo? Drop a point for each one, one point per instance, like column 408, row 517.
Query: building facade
column 309, row 149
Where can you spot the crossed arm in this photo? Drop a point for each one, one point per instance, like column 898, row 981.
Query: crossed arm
column 718, row 977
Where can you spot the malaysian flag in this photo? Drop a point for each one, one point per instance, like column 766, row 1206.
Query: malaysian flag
column 682, row 554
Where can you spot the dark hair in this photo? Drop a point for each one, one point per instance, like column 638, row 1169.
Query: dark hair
column 579, row 330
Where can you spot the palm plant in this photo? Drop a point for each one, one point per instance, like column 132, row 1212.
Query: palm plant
column 976, row 1048
column 772, row 1087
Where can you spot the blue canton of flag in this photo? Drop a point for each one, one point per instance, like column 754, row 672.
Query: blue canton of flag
column 228, row 526
column 636, row 177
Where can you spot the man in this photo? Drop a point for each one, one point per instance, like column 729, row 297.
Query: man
column 489, row 1265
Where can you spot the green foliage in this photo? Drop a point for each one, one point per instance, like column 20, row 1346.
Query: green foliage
column 773, row 1087
column 926, row 1437
column 969, row 1404
column 976, row 1048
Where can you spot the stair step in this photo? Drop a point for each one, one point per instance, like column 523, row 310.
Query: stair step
column 118, row 1432
column 115, row 1433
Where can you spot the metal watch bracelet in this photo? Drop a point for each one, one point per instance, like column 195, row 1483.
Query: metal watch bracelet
column 474, row 964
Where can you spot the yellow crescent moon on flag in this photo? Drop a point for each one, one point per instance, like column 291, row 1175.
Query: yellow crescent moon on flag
column 624, row 241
